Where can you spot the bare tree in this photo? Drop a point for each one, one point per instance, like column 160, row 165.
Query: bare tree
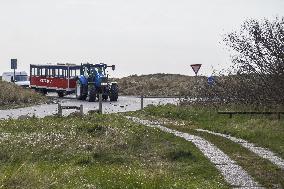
column 258, row 56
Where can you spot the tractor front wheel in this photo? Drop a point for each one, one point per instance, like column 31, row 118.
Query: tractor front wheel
column 80, row 91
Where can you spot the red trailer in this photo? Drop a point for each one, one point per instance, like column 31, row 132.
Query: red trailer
column 60, row 78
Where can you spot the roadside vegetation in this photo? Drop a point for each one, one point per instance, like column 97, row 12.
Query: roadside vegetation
column 12, row 96
column 265, row 131
column 98, row 151
column 159, row 84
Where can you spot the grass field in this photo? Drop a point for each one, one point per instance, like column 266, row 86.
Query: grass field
column 98, row 151
column 265, row 131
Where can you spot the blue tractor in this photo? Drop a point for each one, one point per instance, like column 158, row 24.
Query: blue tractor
column 93, row 80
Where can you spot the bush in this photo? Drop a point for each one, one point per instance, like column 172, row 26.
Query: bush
column 16, row 95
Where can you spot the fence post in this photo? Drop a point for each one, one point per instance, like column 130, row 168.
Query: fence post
column 59, row 110
column 278, row 115
column 100, row 103
column 81, row 110
column 142, row 105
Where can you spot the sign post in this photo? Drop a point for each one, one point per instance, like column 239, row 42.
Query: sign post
column 195, row 68
column 14, row 67
column 210, row 80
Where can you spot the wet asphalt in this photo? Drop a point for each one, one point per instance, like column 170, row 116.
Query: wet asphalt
column 124, row 104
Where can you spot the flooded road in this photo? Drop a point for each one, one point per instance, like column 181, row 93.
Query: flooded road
column 124, row 104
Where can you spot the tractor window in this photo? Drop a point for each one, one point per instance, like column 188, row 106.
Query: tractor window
column 99, row 70
column 86, row 71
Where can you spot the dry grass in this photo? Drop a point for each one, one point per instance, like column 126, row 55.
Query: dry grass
column 159, row 84
column 12, row 95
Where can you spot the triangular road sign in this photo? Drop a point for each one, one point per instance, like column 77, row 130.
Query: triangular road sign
column 195, row 67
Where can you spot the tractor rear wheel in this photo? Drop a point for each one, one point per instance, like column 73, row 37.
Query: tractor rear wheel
column 92, row 94
column 105, row 97
column 80, row 91
column 113, row 96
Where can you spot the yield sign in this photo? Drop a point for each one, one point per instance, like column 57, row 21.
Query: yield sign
column 195, row 67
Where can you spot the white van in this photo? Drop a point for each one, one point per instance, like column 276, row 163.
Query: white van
column 21, row 78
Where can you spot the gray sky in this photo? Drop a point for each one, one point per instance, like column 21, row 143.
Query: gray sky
column 139, row 36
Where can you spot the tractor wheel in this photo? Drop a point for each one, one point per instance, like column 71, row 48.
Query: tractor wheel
column 80, row 91
column 60, row 94
column 105, row 97
column 113, row 96
column 92, row 94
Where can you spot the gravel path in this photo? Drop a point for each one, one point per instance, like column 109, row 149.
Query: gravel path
column 233, row 174
column 262, row 152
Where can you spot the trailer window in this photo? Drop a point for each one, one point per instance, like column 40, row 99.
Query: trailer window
column 33, row 71
column 72, row 73
column 65, row 73
column 38, row 71
column 42, row 72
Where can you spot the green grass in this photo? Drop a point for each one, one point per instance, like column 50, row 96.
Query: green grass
column 98, row 151
column 266, row 131
column 262, row 130
column 267, row 174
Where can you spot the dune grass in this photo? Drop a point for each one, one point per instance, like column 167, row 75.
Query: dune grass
column 13, row 96
column 98, row 151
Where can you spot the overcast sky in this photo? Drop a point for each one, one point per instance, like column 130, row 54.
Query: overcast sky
column 138, row 36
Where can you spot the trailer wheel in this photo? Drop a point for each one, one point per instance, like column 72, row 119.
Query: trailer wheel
column 113, row 96
column 80, row 91
column 41, row 91
column 60, row 94
column 92, row 94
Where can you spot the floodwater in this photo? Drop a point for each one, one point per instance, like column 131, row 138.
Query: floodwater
column 124, row 104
